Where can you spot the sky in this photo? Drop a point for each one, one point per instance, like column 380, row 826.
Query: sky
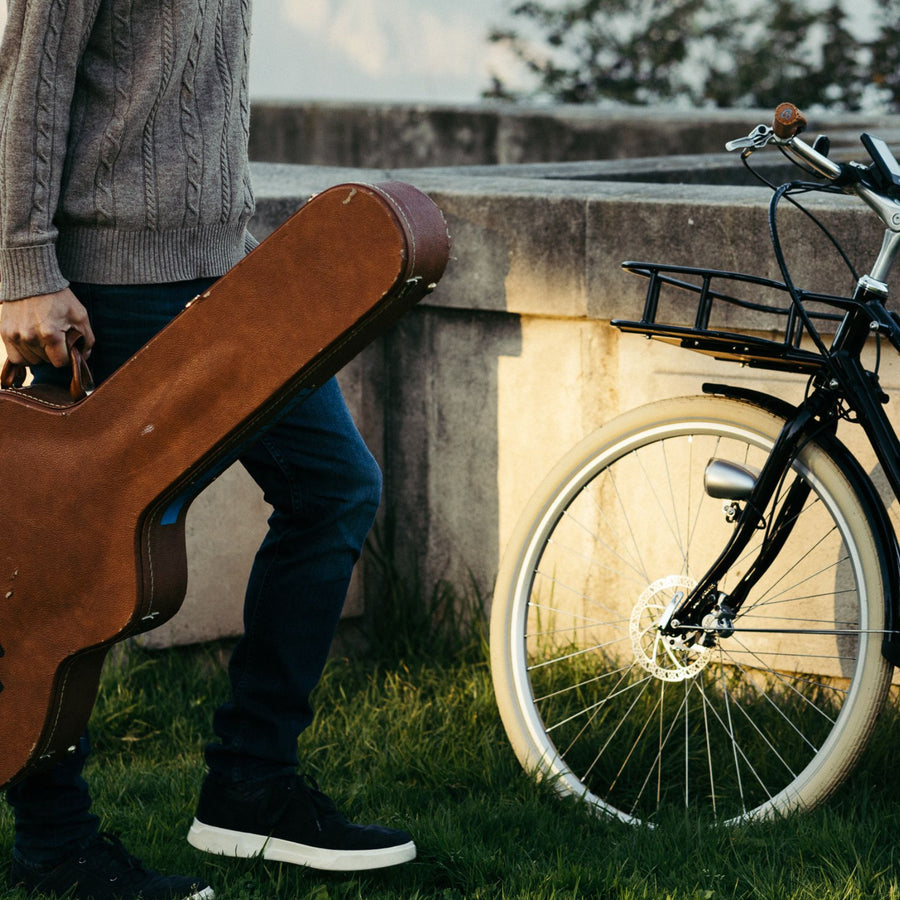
column 428, row 50
column 374, row 49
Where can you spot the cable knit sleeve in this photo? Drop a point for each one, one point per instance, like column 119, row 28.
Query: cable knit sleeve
column 39, row 56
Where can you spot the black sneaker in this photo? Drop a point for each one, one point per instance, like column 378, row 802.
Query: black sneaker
column 290, row 820
column 105, row 870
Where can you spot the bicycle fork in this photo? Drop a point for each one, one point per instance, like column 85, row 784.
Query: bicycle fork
column 707, row 613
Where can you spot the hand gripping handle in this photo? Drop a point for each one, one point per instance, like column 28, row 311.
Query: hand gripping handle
column 82, row 384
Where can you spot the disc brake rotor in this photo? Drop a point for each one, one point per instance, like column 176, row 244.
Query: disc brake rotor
column 665, row 657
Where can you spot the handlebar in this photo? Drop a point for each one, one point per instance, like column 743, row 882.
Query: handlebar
column 877, row 185
column 872, row 184
column 788, row 123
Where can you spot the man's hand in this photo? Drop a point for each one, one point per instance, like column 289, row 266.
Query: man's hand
column 34, row 329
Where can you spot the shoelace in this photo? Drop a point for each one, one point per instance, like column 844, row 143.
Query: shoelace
column 107, row 851
column 323, row 806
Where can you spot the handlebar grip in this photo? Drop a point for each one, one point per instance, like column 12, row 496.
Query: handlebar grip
column 789, row 121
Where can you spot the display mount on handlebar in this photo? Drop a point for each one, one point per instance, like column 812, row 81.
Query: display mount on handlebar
column 877, row 184
column 885, row 170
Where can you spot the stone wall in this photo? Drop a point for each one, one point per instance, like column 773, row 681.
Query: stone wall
column 398, row 135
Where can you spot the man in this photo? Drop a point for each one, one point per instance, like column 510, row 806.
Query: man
column 124, row 192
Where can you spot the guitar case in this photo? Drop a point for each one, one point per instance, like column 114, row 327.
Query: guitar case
column 95, row 488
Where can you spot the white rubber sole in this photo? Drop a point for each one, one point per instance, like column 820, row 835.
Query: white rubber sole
column 206, row 894
column 239, row 844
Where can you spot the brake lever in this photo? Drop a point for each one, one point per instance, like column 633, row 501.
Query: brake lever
column 758, row 138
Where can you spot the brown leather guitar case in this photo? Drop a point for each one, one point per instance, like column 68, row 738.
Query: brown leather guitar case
column 94, row 492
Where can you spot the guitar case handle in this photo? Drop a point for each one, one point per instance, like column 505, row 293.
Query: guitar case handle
column 82, row 383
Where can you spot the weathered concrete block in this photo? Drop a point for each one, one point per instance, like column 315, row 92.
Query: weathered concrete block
column 405, row 135
column 530, row 249
column 473, row 396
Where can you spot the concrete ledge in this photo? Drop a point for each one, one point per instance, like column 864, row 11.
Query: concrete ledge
column 473, row 396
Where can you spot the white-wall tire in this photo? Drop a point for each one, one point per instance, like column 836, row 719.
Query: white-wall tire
column 746, row 734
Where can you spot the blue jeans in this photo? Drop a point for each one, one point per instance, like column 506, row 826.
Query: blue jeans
column 324, row 487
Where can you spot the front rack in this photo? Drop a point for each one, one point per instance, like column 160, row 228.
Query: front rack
column 784, row 351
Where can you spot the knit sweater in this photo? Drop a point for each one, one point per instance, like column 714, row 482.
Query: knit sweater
column 123, row 142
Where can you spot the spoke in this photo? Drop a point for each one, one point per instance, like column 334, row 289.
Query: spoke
column 671, row 523
column 687, row 741
column 660, row 745
column 789, row 687
column 574, row 687
column 644, row 684
column 765, row 737
column 663, row 740
column 639, row 576
column 575, row 653
column 629, row 556
column 751, row 552
column 599, row 704
column 787, row 593
column 782, row 589
column 692, row 529
column 841, row 627
column 738, row 750
column 648, row 719
column 640, row 568
column 734, row 744
column 612, row 693
column 575, row 592
column 822, row 632
column 656, row 764
column 565, row 611
column 709, row 755
column 572, row 629
column 789, row 654
column 797, row 598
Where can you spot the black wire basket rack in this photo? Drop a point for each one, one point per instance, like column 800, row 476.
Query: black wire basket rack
column 737, row 317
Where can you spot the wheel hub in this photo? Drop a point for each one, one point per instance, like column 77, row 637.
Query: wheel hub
column 667, row 657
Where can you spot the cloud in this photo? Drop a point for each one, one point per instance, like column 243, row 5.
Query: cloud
column 377, row 36
column 310, row 16
column 360, row 34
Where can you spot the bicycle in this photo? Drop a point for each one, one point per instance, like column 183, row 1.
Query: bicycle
column 699, row 605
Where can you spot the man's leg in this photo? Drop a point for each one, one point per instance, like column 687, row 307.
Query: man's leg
column 324, row 487
column 52, row 811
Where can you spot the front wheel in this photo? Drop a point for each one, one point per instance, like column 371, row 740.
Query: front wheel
column 595, row 698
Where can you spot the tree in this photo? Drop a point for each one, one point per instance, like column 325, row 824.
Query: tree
column 884, row 65
column 805, row 56
column 698, row 52
column 607, row 49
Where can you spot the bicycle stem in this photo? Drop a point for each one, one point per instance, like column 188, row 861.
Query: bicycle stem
column 886, row 256
column 886, row 208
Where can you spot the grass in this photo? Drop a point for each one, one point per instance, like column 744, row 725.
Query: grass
column 415, row 742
